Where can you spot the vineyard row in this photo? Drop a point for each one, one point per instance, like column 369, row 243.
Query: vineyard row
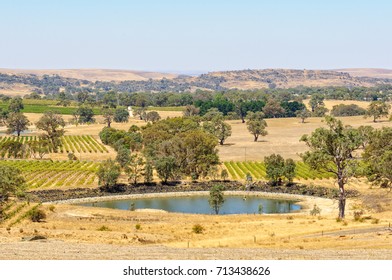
column 239, row 170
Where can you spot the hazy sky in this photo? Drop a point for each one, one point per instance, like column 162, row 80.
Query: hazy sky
column 195, row 35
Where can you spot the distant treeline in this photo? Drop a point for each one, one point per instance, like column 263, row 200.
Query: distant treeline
column 179, row 91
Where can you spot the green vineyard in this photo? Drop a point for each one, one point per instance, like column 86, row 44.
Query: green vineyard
column 239, row 170
column 69, row 143
column 45, row 174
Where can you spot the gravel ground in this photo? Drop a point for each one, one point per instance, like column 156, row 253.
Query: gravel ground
column 58, row 250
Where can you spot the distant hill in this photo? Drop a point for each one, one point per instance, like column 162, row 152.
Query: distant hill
column 287, row 78
column 93, row 75
column 368, row 72
column 21, row 82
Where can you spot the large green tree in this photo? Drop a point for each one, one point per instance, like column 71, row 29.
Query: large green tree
column 377, row 109
column 121, row 115
column 331, row 150
column 152, row 116
column 11, row 183
column 166, row 168
column 256, row 124
column 86, row 114
column 15, row 105
column 303, row 114
column 193, row 150
column 52, row 123
column 108, row 115
column 218, row 127
column 378, row 156
column 277, row 168
column 16, row 122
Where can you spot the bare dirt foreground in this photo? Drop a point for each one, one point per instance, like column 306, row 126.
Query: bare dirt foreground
column 74, row 232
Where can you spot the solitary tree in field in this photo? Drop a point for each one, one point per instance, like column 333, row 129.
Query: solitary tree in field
column 152, row 116
column 52, row 123
column 303, row 114
column 218, row 128
column 216, row 199
column 331, row 150
column 16, row 122
column 377, row 109
column 108, row 115
column 256, row 124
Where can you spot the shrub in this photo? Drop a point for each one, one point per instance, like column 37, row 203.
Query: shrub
column 37, row 215
column 138, row 226
column 71, row 156
column 224, row 175
column 104, row 228
column 375, row 221
column 198, row 229
column 358, row 216
column 315, row 211
column 132, row 207
column 260, row 209
column 52, row 208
